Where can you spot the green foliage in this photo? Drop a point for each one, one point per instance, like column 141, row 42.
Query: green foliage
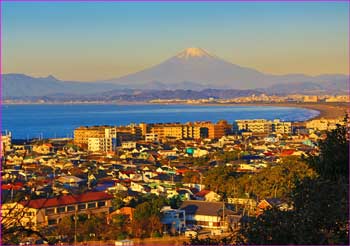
column 117, row 229
column 175, row 202
column 278, row 181
column 156, row 234
column 122, row 235
column 333, row 161
column 273, row 181
column 191, row 177
column 158, row 201
column 117, row 203
column 210, row 241
column 221, row 179
column 227, row 156
column 272, row 227
column 146, row 219
column 321, row 206
column 66, row 228
column 201, row 161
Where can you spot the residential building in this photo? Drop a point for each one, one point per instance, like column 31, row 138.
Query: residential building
column 96, row 138
column 269, row 203
column 255, row 126
column 206, row 214
column 207, row 195
column 45, row 212
column 310, row 99
column 262, row 126
column 339, row 98
column 214, row 131
column 6, row 139
column 97, row 144
column 175, row 131
column 173, row 219
column 323, row 124
column 45, row 148
column 129, row 145
column 151, row 137
column 282, row 127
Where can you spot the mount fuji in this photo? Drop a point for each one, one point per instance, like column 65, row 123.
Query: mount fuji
column 195, row 68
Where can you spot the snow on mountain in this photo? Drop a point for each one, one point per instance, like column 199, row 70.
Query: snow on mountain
column 193, row 52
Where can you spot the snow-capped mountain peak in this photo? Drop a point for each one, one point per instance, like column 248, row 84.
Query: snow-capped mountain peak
column 193, row 52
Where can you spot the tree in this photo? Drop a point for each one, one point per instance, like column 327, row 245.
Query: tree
column 146, row 219
column 66, row 228
column 155, row 224
column 333, row 161
column 175, row 202
column 191, row 177
column 272, row 181
column 321, row 206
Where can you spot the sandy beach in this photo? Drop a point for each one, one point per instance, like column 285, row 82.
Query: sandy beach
column 327, row 110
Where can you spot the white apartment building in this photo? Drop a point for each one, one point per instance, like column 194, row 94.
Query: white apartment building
column 256, row 126
column 129, row 145
column 151, row 137
column 282, row 127
column 97, row 144
column 6, row 140
column 264, row 126
column 103, row 144
column 323, row 124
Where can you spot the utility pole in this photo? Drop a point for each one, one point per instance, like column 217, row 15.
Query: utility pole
column 75, row 225
column 223, row 212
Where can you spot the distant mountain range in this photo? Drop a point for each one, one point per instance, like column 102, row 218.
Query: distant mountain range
column 192, row 69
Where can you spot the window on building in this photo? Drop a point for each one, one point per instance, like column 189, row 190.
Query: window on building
column 101, row 204
column 61, row 210
column 29, row 224
column 50, row 211
column 70, row 208
column 52, row 222
column 203, row 223
column 92, row 205
column 216, row 224
column 81, row 206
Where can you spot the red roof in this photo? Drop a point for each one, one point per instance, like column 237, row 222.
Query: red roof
column 66, row 200
column 269, row 153
column 128, row 172
column 202, row 193
column 287, row 152
column 182, row 171
column 16, row 186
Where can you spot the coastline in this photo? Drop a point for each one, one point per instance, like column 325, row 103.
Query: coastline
column 326, row 110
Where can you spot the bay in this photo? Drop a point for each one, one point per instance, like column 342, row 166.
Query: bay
column 60, row 120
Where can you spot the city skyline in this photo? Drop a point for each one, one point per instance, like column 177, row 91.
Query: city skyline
column 105, row 40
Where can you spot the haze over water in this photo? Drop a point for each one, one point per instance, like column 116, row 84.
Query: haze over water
column 30, row 121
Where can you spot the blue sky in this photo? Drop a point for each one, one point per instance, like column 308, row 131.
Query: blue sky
column 102, row 40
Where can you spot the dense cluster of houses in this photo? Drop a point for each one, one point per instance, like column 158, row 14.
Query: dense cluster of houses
column 63, row 179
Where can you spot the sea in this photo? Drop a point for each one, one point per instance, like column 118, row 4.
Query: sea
column 60, row 120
